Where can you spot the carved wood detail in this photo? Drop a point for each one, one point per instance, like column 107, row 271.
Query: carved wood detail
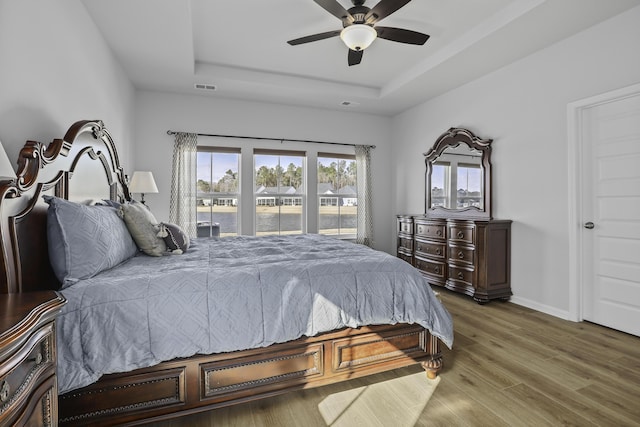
column 23, row 240
column 351, row 353
column 32, row 364
column 229, row 378
column 49, row 416
column 145, row 391
column 452, row 138
column 222, row 377
column 27, row 358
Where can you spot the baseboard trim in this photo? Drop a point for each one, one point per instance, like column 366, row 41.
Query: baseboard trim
column 547, row 309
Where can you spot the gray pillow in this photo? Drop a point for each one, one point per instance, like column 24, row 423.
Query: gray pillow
column 144, row 228
column 174, row 237
column 85, row 240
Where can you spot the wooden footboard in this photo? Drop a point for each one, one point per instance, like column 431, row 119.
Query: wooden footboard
column 199, row 383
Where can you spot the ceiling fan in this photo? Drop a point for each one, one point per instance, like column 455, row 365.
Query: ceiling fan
column 358, row 30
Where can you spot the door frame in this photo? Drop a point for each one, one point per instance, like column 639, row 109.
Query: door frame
column 576, row 140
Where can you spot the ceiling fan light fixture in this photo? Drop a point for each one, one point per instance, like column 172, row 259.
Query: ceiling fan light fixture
column 358, row 36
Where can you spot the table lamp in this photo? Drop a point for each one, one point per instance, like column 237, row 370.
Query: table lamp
column 6, row 169
column 142, row 182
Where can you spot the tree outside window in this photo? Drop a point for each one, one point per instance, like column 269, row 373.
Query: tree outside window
column 279, row 192
column 337, row 195
column 217, row 191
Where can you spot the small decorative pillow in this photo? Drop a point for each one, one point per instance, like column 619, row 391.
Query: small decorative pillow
column 85, row 240
column 143, row 227
column 174, row 237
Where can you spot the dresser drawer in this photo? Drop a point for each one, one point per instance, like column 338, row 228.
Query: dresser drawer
column 40, row 408
column 461, row 254
column 462, row 232
column 460, row 274
column 21, row 373
column 405, row 226
column 406, row 257
column 431, row 267
column 431, row 249
column 431, row 230
column 405, row 242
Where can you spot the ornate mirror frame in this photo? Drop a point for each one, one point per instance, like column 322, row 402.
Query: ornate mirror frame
column 452, row 138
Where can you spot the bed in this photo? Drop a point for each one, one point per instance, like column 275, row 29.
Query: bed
column 324, row 310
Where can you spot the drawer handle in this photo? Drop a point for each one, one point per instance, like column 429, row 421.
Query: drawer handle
column 419, row 230
column 438, row 251
column 461, row 255
column 439, row 233
column 38, row 358
column 460, row 234
column 420, row 248
column 460, row 275
column 437, row 270
column 4, row 392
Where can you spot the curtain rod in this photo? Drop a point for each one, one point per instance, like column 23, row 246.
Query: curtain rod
column 171, row 132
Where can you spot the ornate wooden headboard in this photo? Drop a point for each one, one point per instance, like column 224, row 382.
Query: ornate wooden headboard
column 65, row 168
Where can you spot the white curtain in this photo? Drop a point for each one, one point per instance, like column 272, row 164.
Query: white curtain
column 182, row 208
column 365, row 220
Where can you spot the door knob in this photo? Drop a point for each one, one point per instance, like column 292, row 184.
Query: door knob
column 589, row 225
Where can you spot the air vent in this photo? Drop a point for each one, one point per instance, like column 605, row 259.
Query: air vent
column 203, row 86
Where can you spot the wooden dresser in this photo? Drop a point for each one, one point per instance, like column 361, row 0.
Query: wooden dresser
column 467, row 256
column 456, row 243
column 28, row 387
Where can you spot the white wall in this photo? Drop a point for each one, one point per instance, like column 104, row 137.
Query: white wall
column 523, row 108
column 56, row 69
column 158, row 112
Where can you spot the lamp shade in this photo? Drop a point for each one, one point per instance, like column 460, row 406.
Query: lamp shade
column 358, row 36
column 143, row 182
column 6, row 169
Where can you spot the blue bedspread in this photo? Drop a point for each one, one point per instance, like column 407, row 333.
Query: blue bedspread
column 233, row 294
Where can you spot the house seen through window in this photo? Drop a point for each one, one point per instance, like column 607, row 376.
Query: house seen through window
column 337, row 195
column 279, row 191
column 218, row 187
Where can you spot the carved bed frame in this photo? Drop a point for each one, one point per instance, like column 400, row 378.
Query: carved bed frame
column 180, row 386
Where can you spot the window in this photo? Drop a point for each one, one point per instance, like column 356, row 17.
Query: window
column 456, row 185
column 218, row 186
column 469, row 185
column 279, row 191
column 440, row 185
column 257, row 190
column 337, row 195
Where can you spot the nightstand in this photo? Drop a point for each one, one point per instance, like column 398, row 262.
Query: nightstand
column 28, row 386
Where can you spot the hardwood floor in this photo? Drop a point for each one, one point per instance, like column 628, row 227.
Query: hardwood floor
column 510, row 366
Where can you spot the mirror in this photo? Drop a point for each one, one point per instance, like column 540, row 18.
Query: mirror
column 458, row 177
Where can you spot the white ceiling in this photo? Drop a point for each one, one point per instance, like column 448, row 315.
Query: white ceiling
column 240, row 46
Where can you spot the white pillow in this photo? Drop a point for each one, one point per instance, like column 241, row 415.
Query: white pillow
column 143, row 227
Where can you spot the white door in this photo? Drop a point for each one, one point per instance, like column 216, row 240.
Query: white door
column 611, row 213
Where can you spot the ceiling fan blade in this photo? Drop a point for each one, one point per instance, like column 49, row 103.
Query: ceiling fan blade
column 383, row 9
column 314, row 37
column 354, row 57
column 336, row 9
column 401, row 35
